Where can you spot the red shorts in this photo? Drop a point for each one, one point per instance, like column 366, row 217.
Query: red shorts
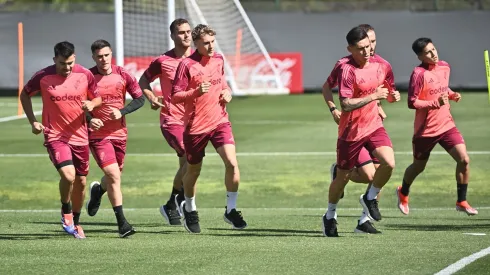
column 174, row 135
column 348, row 151
column 62, row 154
column 422, row 146
column 365, row 157
column 108, row 151
column 195, row 144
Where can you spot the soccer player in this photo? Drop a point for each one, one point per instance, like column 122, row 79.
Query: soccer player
column 67, row 91
column 361, row 84
column 108, row 133
column 171, row 115
column 366, row 163
column 201, row 85
column 429, row 94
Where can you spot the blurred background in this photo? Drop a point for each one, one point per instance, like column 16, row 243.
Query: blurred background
column 304, row 38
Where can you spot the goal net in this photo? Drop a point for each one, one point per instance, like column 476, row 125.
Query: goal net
column 145, row 30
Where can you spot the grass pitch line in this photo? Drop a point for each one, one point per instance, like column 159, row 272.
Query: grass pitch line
column 251, row 209
column 10, row 118
column 246, row 154
column 464, row 262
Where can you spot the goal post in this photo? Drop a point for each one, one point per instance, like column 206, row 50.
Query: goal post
column 142, row 33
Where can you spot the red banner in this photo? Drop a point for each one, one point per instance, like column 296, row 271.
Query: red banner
column 250, row 70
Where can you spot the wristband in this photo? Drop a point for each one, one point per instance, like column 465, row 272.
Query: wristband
column 333, row 108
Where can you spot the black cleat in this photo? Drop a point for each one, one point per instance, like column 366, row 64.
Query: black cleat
column 93, row 202
column 191, row 220
column 366, row 227
column 235, row 218
column 171, row 215
column 329, row 227
column 370, row 207
column 126, row 230
column 178, row 202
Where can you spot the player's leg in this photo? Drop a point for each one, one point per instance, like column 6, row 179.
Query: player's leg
column 347, row 154
column 112, row 183
column 194, row 149
column 224, row 143
column 452, row 141
column 421, row 146
column 173, row 134
column 80, row 155
column 380, row 145
column 61, row 157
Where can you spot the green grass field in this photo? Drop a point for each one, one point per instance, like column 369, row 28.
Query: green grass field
column 286, row 145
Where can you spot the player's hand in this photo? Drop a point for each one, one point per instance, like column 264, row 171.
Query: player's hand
column 336, row 116
column 394, row 97
column 381, row 92
column 87, row 105
column 96, row 124
column 226, row 96
column 444, row 99
column 115, row 114
column 37, row 128
column 204, row 87
column 456, row 97
column 157, row 102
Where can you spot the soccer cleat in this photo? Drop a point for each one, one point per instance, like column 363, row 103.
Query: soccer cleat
column 329, row 227
column 126, row 230
column 464, row 206
column 235, row 218
column 171, row 215
column 178, row 201
column 191, row 220
column 79, row 234
column 402, row 201
column 67, row 223
column 93, row 202
column 367, row 228
column 333, row 175
column 370, row 207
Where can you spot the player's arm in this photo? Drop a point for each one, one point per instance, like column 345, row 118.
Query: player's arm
column 328, row 97
column 415, row 86
column 225, row 95
column 150, row 74
column 94, row 99
column 32, row 87
column 180, row 87
column 346, row 91
column 133, row 88
column 381, row 112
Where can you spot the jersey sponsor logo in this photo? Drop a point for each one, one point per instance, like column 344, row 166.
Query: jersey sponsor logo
column 66, row 97
column 363, row 93
column 216, row 81
column 439, row 90
column 111, row 99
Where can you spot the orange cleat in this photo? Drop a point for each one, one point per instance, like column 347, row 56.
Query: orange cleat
column 402, row 201
column 464, row 206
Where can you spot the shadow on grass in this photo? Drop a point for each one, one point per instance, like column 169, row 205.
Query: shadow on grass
column 438, row 227
column 32, row 236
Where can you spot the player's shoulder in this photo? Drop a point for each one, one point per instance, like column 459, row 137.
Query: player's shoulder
column 192, row 59
column 81, row 69
column 219, row 56
column 419, row 70
column 49, row 70
column 344, row 60
column 379, row 59
column 94, row 70
column 443, row 63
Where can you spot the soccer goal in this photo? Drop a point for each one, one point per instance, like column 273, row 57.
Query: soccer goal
column 142, row 33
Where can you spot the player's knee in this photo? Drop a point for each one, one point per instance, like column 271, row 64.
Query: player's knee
column 231, row 166
column 390, row 164
column 464, row 161
column 68, row 176
column 193, row 171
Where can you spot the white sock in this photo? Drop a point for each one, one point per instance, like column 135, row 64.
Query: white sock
column 364, row 218
column 373, row 193
column 231, row 201
column 331, row 211
column 190, row 204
